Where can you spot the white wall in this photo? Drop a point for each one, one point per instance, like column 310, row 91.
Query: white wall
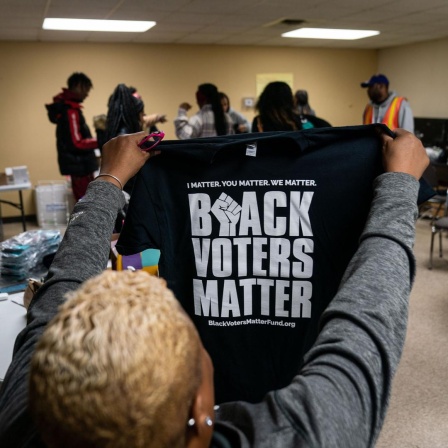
column 419, row 72
column 166, row 75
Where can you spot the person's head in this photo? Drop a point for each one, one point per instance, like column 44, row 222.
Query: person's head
column 225, row 102
column 208, row 94
column 125, row 111
column 377, row 88
column 80, row 84
column 276, row 104
column 121, row 365
column 301, row 97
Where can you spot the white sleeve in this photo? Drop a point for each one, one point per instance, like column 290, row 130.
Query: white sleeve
column 187, row 128
column 405, row 117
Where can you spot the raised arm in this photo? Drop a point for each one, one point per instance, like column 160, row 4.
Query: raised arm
column 187, row 127
column 340, row 396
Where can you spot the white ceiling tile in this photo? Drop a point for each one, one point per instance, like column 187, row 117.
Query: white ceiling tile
column 233, row 22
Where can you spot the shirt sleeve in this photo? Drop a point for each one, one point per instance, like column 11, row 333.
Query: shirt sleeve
column 341, row 394
column 187, row 128
column 83, row 253
column 406, row 117
column 229, row 123
column 75, row 132
column 239, row 119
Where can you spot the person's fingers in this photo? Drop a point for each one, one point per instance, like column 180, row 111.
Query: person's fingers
column 122, row 157
column 386, row 138
column 404, row 153
column 138, row 135
column 401, row 132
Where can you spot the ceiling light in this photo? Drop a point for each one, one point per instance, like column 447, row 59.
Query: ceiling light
column 116, row 26
column 326, row 33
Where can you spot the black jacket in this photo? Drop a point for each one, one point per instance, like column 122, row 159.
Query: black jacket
column 73, row 138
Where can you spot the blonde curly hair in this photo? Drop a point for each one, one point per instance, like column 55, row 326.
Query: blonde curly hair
column 117, row 367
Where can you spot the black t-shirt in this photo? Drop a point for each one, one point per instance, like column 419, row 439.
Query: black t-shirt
column 255, row 232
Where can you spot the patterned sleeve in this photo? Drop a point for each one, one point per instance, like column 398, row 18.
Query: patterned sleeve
column 187, row 128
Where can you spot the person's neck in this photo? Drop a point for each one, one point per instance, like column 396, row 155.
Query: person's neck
column 71, row 95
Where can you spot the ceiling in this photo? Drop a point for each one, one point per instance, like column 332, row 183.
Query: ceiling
column 232, row 22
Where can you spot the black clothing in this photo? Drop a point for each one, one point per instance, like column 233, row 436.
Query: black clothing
column 339, row 398
column 254, row 247
column 74, row 141
column 302, row 121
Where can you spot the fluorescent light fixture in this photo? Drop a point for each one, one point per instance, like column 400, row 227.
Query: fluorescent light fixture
column 115, row 26
column 327, row 33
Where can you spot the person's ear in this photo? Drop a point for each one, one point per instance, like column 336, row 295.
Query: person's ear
column 199, row 425
column 200, row 422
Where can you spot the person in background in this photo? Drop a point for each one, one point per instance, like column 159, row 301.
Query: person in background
column 211, row 120
column 99, row 124
column 116, row 362
column 125, row 115
column 149, row 121
column 386, row 106
column 240, row 123
column 125, row 112
column 301, row 102
column 74, row 142
column 276, row 111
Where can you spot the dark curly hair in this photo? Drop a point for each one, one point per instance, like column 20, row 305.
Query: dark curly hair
column 79, row 78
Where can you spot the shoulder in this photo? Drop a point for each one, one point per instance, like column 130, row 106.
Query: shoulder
column 197, row 119
column 72, row 107
column 232, row 113
column 318, row 122
column 206, row 109
column 404, row 100
column 197, row 116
